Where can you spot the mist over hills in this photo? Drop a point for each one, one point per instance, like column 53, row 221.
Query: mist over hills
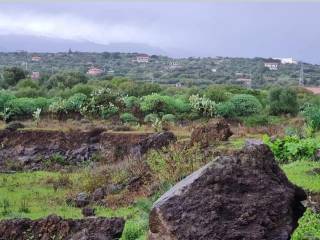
column 12, row 43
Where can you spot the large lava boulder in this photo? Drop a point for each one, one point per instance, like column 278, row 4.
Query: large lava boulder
column 214, row 131
column 154, row 141
column 54, row 227
column 245, row 196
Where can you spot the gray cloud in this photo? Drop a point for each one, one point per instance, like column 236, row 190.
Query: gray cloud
column 201, row 29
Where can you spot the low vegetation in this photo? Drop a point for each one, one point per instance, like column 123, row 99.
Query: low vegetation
column 287, row 119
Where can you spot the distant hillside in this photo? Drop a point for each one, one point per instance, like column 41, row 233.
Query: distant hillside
column 187, row 71
column 44, row 44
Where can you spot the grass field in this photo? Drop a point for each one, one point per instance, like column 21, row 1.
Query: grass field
column 32, row 195
column 299, row 173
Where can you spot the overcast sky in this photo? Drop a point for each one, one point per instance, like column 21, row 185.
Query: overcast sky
column 197, row 29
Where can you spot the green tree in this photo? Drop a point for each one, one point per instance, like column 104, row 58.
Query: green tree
column 245, row 104
column 283, row 101
column 66, row 79
column 11, row 76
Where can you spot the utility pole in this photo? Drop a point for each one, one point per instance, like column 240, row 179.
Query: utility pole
column 301, row 79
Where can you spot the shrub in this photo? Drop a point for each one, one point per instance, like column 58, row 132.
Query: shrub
column 66, row 79
column 29, row 92
column 226, row 110
column 27, row 106
column 170, row 118
column 82, row 88
column 245, row 104
column 75, row 102
column 5, row 96
column 283, row 101
column 109, row 111
column 128, row 118
column 217, row 94
column 150, row 118
column 103, row 102
column 174, row 163
column 256, row 120
column 204, row 106
column 133, row 230
column 11, row 76
column 292, row 148
column 312, row 115
column 131, row 103
column 156, row 103
column 28, row 83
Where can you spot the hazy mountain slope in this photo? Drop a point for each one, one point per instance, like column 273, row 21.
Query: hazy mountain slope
column 44, row 44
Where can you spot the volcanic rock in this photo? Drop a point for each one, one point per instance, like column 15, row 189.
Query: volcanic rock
column 88, row 212
column 154, row 141
column 82, row 200
column 58, row 228
column 98, row 194
column 13, row 126
column 242, row 196
column 214, row 131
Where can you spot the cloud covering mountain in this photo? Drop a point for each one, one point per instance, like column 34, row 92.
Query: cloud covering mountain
column 179, row 28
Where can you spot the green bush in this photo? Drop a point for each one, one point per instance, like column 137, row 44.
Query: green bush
column 170, row 118
column 82, row 88
column 131, row 102
column 150, row 118
column 29, row 92
column 75, row 102
column 217, row 94
column 156, row 103
column 292, row 148
column 5, row 96
column 312, row 116
column 202, row 105
column 128, row 118
column 28, row 83
column 245, row 104
column 27, row 106
column 283, row 101
column 256, row 120
column 66, row 79
column 103, row 102
column 11, row 76
column 226, row 110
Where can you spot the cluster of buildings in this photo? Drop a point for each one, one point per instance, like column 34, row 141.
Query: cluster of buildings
column 273, row 63
column 142, row 58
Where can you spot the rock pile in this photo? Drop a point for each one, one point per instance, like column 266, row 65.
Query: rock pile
column 41, row 149
column 58, row 228
column 215, row 130
column 242, row 196
column 154, row 141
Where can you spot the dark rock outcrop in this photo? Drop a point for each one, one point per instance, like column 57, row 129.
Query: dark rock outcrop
column 88, row 212
column 154, row 141
column 214, row 131
column 58, row 228
column 13, row 126
column 242, row 196
column 43, row 149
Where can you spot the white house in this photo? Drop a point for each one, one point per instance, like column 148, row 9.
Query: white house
column 272, row 65
column 142, row 58
column 287, row 60
column 35, row 75
column 93, row 71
